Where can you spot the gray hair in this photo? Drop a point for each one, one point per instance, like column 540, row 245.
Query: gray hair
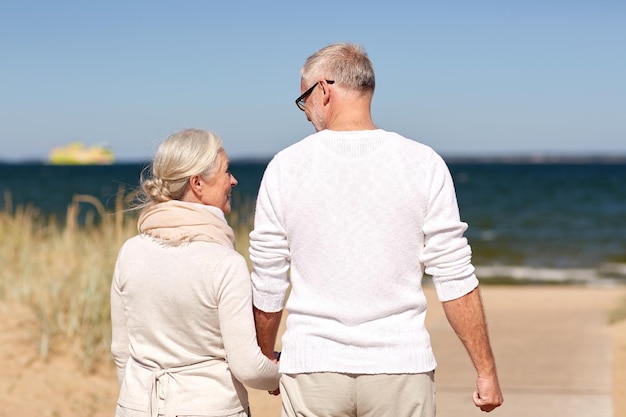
column 180, row 156
column 345, row 63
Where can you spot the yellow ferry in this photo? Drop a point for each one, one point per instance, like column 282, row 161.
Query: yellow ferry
column 78, row 154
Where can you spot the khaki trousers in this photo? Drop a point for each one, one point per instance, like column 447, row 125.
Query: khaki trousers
column 127, row 412
column 348, row 395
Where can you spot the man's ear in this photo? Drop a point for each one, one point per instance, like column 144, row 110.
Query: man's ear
column 326, row 90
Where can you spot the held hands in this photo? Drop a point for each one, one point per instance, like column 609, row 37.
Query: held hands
column 277, row 390
column 488, row 395
column 276, row 360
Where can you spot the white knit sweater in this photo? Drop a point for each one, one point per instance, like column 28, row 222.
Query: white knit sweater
column 351, row 220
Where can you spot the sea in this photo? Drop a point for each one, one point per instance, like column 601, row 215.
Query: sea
column 529, row 222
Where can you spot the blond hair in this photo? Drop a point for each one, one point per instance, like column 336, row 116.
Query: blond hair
column 180, row 156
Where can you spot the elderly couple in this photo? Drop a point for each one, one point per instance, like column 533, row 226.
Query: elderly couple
column 347, row 222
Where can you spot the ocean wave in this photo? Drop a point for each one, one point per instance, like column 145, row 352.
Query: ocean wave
column 608, row 273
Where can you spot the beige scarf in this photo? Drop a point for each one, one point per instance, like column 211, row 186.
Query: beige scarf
column 175, row 222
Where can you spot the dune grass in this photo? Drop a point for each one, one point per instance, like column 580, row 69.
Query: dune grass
column 62, row 270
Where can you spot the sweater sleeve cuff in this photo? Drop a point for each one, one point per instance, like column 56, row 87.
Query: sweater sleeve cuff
column 269, row 303
column 453, row 289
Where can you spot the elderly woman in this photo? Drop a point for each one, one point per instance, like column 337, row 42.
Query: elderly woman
column 184, row 341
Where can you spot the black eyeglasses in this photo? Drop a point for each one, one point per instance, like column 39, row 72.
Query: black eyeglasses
column 301, row 101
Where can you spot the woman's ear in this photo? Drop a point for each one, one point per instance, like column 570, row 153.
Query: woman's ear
column 195, row 183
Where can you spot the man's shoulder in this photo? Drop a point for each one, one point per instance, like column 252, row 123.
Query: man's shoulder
column 411, row 149
column 293, row 152
column 306, row 142
column 409, row 142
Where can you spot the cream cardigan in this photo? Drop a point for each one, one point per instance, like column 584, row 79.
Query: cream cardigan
column 183, row 333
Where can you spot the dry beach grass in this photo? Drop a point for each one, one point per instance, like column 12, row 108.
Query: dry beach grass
column 62, row 272
column 55, row 326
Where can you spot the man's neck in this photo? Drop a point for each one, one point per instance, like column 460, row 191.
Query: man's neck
column 353, row 125
column 350, row 119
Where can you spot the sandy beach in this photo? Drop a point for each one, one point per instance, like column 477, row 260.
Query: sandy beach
column 556, row 354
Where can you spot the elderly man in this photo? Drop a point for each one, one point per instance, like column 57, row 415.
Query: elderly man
column 347, row 222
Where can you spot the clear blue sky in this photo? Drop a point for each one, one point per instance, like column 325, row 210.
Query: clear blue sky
column 465, row 77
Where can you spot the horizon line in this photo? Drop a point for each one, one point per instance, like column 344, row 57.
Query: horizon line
column 531, row 157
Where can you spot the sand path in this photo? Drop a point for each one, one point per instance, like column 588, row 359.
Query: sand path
column 553, row 349
column 557, row 356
